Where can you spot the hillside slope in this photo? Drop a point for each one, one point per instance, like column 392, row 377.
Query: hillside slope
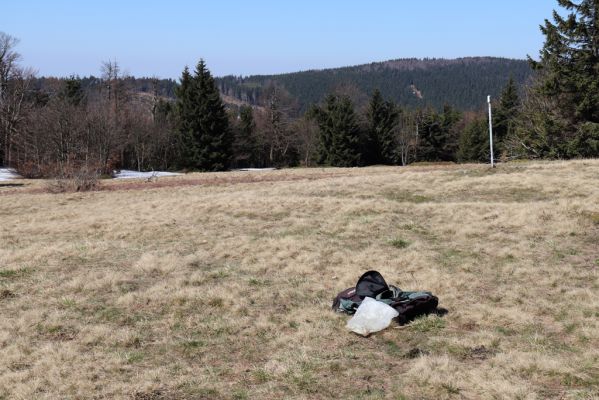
column 463, row 83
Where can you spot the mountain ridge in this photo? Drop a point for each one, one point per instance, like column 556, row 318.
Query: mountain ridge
column 462, row 82
column 395, row 63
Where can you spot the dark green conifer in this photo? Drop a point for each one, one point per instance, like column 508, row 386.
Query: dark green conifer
column 474, row 142
column 564, row 102
column 505, row 114
column 73, row 91
column 339, row 132
column 380, row 144
column 185, row 119
column 245, row 147
column 438, row 135
column 206, row 141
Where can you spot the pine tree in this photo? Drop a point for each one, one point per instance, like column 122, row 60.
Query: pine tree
column 206, row 141
column 380, row 144
column 565, row 100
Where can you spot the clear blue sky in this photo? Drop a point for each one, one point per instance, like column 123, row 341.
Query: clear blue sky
column 60, row 37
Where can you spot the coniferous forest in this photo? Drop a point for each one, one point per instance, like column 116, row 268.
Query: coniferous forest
column 395, row 112
column 413, row 83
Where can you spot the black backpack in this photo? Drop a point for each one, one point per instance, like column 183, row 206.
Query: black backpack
column 409, row 305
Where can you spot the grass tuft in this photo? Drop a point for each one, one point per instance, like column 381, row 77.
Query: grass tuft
column 428, row 324
column 399, row 243
column 7, row 274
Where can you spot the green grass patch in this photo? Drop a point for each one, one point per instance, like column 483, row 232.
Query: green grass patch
column 452, row 257
column 240, row 394
column 392, row 348
column 261, row 375
column 450, row 388
column 571, row 327
column 110, row 314
column 217, row 302
column 134, row 357
column 56, row 332
column 7, row 274
column 399, row 243
column 259, row 282
column 193, row 390
column 193, row 344
column 430, row 323
column 370, row 394
column 306, row 382
column 67, row 302
column 118, row 315
column 594, row 217
column 406, row 197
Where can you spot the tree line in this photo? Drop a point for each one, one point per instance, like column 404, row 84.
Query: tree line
column 110, row 124
column 67, row 130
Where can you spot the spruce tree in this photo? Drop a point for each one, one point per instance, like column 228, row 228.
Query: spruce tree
column 185, row 121
column 438, row 135
column 505, row 114
column 339, row 132
column 474, row 142
column 568, row 80
column 346, row 135
column 380, row 144
column 450, row 119
column 203, row 124
column 430, row 135
column 245, row 147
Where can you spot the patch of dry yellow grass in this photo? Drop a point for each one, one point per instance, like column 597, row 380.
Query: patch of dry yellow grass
column 222, row 288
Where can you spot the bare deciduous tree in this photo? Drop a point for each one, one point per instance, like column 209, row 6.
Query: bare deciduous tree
column 273, row 122
column 306, row 134
column 407, row 137
column 15, row 83
column 8, row 60
column 110, row 74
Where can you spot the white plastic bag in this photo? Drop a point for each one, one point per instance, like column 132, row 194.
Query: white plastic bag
column 371, row 316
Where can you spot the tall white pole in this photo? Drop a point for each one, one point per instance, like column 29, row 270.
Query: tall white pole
column 491, row 132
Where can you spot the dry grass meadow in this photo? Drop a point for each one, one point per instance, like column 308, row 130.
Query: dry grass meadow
column 218, row 286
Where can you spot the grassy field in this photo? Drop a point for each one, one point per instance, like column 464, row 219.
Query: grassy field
column 219, row 286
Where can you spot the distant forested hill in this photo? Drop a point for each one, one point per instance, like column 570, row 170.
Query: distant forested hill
column 463, row 83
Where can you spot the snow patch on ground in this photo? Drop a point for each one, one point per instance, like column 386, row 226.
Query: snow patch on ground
column 7, row 174
column 128, row 174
